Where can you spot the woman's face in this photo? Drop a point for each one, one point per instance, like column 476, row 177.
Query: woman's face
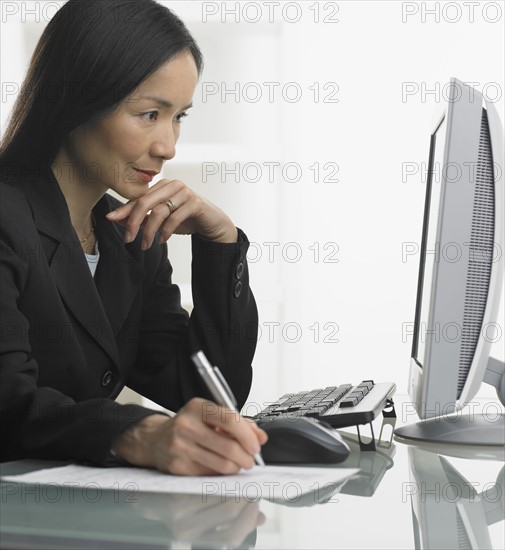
column 140, row 135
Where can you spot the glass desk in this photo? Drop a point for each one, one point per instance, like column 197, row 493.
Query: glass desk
column 403, row 497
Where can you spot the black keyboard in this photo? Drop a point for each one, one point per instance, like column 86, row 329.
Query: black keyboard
column 340, row 406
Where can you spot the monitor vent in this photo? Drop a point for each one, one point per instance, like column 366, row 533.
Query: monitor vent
column 481, row 254
column 463, row 540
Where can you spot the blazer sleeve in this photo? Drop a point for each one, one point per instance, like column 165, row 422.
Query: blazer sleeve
column 223, row 323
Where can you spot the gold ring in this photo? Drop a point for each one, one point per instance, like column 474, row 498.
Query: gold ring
column 170, row 204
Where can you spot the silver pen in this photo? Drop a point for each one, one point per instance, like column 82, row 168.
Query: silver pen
column 218, row 387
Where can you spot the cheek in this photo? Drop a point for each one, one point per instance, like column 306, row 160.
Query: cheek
column 91, row 144
column 112, row 140
column 122, row 141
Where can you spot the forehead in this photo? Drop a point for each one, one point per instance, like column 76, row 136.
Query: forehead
column 174, row 81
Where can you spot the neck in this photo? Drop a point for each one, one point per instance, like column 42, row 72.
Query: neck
column 81, row 196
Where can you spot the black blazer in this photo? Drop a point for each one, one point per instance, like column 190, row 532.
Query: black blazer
column 70, row 342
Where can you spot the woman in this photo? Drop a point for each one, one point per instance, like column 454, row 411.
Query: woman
column 88, row 305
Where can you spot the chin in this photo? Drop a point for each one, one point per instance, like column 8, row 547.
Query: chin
column 132, row 194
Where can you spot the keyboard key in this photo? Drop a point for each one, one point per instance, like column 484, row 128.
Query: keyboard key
column 355, row 393
column 349, row 402
column 314, row 413
column 284, row 409
column 340, row 391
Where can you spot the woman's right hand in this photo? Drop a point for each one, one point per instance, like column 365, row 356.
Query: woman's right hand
column 202, row 439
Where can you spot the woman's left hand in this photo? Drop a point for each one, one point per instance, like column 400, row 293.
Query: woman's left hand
column 171, row 207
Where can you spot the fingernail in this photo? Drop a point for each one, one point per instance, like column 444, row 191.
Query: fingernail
column 128, row 237
column 144, row 246
column 111, row 215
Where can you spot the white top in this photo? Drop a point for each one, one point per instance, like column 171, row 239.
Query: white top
column 92, row 260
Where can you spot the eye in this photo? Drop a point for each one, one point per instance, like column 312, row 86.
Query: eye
column 151, row 116
column 181, row 116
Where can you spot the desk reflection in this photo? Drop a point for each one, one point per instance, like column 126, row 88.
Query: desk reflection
column 448, row 511
column 372, row 465
column 216, row 522
column 46, row 516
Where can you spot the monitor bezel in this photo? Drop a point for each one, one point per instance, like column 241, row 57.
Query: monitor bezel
column 424, row 239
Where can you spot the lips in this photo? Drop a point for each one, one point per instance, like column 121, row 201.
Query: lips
column 150, row 172
column 146, row 175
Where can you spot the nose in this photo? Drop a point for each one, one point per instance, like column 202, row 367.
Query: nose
column 164, row 144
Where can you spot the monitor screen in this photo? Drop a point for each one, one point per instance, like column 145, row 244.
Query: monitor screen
column 430, row 250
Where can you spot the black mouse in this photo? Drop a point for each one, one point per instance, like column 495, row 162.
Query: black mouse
column 301, row 440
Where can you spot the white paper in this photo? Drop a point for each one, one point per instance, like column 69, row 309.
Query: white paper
column 280, row 483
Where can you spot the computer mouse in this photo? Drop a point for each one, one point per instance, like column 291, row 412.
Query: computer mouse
column 301, row 440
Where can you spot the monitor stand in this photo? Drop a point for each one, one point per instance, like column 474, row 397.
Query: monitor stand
column 475, row 429
column 465, row 429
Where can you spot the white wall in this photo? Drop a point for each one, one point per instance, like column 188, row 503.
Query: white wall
column 373, row 55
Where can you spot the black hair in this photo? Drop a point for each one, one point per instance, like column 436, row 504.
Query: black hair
column 90, row 57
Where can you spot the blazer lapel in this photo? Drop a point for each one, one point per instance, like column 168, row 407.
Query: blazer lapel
column 72, row 276
column 98, row 310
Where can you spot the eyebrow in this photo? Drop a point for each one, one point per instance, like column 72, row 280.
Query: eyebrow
column 164, row 102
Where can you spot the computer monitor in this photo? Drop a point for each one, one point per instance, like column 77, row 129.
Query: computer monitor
column 460, row 276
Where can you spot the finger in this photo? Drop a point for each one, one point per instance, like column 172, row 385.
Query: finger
column 166, row 187
column 124, row 222
column 152, row 223
column 121, row 215
column 121, row 212
column 186, row 205
column 262, row 435
column 234, row 424
column 226, row 447
column 183, row 466
column 143, row 209
column 156, row 221
column 168, row 228
column 205, row 461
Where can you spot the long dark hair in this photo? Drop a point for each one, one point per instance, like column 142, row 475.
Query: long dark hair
column 90, row 57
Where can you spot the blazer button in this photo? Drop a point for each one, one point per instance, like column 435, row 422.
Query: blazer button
column 106, row 378
column 237, row 289
column 239, row 270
